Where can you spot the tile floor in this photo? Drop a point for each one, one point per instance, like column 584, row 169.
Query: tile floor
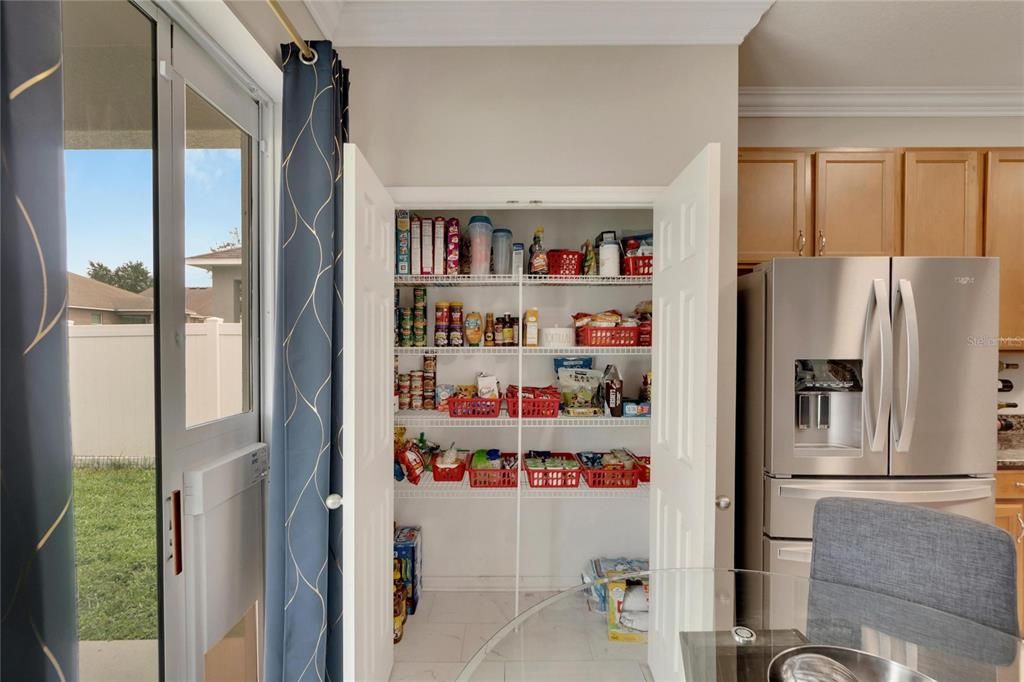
column 565, row 642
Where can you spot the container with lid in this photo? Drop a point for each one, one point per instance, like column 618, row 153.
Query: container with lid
column 501, row 246
column 480, row 229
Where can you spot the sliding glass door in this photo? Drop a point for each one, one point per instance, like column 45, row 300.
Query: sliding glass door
column 213, row 465
column 163, row 162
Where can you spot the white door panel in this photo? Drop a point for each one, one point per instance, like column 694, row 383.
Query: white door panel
column 686, row 226
column 368, row 509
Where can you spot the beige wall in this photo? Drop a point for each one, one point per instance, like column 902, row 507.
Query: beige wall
column 881, row 132
column 558, row 116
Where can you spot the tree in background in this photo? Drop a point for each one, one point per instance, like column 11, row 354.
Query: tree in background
column 130, row 276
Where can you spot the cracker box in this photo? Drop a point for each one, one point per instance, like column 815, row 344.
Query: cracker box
column 403, row 243
column 409, row 552
column 427, row 244
column 415, row 249
column 631, row 596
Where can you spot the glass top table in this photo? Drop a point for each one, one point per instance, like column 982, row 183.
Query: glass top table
column 717, row 625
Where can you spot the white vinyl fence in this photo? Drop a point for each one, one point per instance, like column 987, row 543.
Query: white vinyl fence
column 112, row 369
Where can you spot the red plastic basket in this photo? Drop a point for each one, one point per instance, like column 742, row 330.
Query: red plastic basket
column 534, row 408
column 608, row 336
column 639, row 266
column 563, row 263
column 474, row 408
column 611, row 478
column 555, row 478
column 493, row 478
column 449, row 474
column 644, row 462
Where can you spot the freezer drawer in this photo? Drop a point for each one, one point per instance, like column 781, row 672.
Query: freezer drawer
column 789, row 502
column 785, row 600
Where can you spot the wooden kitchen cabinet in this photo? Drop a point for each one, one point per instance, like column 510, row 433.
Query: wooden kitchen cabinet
column 1010, row 517
column 941, row 203
column 1004, row 237
column 774, row 211
column 855, row 203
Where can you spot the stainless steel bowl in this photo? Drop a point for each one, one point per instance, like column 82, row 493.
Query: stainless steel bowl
column 816, row 663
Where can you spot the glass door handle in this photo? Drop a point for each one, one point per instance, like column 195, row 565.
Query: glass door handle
column 801, row 242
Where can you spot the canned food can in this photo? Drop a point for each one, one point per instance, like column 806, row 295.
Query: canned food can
column 416, row 403
column 441, row 313
column 455, row 337
column 455, row 314
column 419, row 295
column 404, row 401
column 429, row 363
column 428, row 403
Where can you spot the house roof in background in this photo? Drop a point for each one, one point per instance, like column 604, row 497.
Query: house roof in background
column 199, row 301
column 228, row 256
column 91, row 294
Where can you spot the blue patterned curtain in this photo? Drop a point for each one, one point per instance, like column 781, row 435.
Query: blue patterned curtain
column 39, row 626
column 304, row 608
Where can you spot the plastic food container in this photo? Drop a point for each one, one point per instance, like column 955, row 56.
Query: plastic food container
column 557, row 337
column 501, row 247
column 480, row 229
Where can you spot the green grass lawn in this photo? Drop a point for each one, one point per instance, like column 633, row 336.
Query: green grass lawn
column 115, row 527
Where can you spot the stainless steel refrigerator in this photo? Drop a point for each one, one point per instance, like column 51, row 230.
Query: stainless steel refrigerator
column 862, row 377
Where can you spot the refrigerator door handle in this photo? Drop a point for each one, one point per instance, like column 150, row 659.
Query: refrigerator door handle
column 878, row 306
column 905, row 302
column 804, row 492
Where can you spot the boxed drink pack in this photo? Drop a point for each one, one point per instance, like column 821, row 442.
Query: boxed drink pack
column 403, row 243
column 628, row 608
column 409, row 554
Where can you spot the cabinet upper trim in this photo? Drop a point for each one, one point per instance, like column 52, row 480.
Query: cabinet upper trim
column 524, row 197
column 755, row 102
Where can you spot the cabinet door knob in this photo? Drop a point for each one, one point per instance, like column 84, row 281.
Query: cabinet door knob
column 333, row 501
column 723, row 502
column 1019, row 484
column 821, row 243
column 1020, row 523
column 801, row 242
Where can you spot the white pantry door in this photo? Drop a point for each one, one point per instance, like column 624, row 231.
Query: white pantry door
column 686, row 223
column 368, row 365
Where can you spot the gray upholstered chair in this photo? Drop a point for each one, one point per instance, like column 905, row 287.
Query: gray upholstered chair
column 937, row 560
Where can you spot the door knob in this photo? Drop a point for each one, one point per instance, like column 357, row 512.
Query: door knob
column 723, row 502
column 333, row 501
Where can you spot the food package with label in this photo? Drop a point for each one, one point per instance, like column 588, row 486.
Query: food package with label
column 581, row 392
column 409, row 552
column 403, row 243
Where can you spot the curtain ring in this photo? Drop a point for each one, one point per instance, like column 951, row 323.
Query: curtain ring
column 312, row 61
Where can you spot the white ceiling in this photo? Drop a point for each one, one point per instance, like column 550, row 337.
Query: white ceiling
column 796, row 44
column 418, row 23
column 847, row 43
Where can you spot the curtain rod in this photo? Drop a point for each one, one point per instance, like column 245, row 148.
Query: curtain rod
column 289, row 27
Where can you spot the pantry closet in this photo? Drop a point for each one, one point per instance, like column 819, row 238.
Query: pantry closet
column 522, row 537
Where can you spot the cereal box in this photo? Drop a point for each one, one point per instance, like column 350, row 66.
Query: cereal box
column 403, row 243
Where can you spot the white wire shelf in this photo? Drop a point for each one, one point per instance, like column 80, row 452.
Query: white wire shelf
column 590, row 350
column 592, row 280
column 512, row 350
column 428, row 418
column 456, row 350
column 514, row 280
column 455, row 280
column 429, row 488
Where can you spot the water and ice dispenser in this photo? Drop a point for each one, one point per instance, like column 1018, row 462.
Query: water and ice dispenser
column 828, row 403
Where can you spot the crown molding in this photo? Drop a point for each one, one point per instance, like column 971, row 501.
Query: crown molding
column 449, row 23
column 755, row 102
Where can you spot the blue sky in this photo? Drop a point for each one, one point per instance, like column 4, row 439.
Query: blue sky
column 109, row 196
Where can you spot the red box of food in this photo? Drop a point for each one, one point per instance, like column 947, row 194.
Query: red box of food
column 563, row 263
column 534, row 408
column 608, row 336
